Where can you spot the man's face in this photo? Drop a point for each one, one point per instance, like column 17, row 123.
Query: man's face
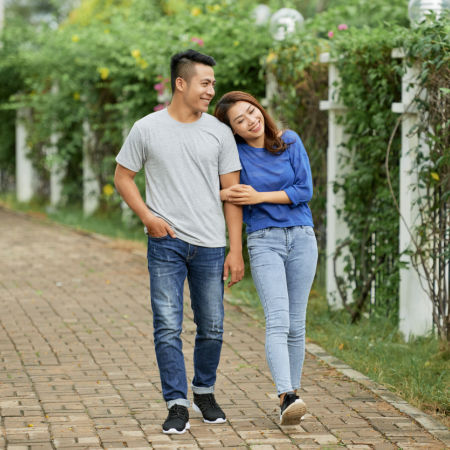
column 199, row 90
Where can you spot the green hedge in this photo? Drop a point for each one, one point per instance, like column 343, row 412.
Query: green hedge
column 371, row 82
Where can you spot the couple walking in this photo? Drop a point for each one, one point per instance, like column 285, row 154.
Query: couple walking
column 202, row 172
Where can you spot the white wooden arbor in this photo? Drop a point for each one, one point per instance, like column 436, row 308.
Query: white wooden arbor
column 415, row 316
column 26, row 174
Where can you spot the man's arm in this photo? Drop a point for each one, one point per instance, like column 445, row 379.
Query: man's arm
column 124, row 181
column 234, row 263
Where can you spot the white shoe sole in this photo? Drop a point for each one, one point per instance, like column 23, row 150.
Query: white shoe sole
column 218, row 420
column 293, row 414
column 175, row 431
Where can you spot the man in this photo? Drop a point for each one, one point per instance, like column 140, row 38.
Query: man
column 188, row 155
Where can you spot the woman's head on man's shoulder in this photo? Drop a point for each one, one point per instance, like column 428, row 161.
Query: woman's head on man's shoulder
column 249, row 121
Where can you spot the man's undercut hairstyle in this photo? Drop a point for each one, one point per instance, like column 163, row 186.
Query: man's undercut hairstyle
column 183, row 65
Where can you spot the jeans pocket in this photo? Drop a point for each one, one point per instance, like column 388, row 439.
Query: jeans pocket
column 258, row 234
column 309, row 231
column 159, row 238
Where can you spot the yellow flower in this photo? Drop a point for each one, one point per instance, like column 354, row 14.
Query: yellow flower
column 435, row 176
column 427, row 363
column 143, row 63
column 108, row 190
column 270, row 57
column 236, row 43
column 104, row 72
column 213, row 8
column 76, row 96
column 106, row 31
column 196, row 11
column 135, row 53
column 75, row 38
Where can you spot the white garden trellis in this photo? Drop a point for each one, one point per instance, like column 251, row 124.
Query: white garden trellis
column 415, row 306
column 337, row 229
column 27, row 176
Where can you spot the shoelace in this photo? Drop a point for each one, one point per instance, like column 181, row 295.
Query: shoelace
column 206, row 400
column 177, row 411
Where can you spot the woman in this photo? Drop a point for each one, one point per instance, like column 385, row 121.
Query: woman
column 276, row 186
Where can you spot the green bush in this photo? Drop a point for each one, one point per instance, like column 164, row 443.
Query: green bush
column 105, row 70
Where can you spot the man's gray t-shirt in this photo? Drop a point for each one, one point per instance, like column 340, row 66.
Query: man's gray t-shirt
column 182, row 163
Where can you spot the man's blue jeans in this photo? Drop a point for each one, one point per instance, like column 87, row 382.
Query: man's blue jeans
column 170, row 261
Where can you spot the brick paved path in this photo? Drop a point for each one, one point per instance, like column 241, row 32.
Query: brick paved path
column 77, row 365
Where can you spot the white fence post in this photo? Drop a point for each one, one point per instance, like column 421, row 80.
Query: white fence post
column 91, row 186
column 56, row 166
column 26, row 176
column 415, row 308
column 336, row 227
column 57, row 171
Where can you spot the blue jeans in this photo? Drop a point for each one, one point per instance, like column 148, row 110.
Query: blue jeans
column 283, row 263
column 170, row 261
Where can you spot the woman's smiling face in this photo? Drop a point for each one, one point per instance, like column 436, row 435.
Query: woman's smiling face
column 247, row 121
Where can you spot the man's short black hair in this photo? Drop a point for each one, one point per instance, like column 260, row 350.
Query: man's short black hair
column 182, row 65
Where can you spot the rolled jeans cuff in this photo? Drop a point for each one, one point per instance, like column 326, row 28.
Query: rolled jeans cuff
column 178, row 401
column 202, row 390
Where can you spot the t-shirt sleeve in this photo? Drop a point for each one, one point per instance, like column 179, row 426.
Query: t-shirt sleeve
column 302, row 189
column 228, row 156
column 132, row 153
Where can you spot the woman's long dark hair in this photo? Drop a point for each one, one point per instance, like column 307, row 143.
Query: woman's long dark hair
column 272, row 139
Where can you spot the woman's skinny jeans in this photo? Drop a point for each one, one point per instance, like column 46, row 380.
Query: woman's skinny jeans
column 283, row 263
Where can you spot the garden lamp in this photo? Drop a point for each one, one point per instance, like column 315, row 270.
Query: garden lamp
column 261, row 14
column 285, row 21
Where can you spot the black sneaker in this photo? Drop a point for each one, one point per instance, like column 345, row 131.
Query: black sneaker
column 292, row 409
column 207, row 405
column 177, row 421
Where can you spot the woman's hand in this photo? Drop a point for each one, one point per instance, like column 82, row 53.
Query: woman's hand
column 224, row 194
column 241, row 194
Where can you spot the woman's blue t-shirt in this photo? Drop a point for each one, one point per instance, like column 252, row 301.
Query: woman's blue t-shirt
column 290, row 172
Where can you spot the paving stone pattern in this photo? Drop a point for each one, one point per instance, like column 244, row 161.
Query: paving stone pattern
column 78, row 370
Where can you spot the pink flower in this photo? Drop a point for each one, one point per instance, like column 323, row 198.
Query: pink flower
column 330, row 34
column 342, row 26
column 159, row 107
column 159, row 87
column 198, row 41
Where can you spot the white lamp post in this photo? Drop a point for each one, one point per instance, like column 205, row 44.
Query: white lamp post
column 418, row 9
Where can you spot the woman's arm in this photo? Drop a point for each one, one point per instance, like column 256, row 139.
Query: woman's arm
column 243, row 194
column 301, row 190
